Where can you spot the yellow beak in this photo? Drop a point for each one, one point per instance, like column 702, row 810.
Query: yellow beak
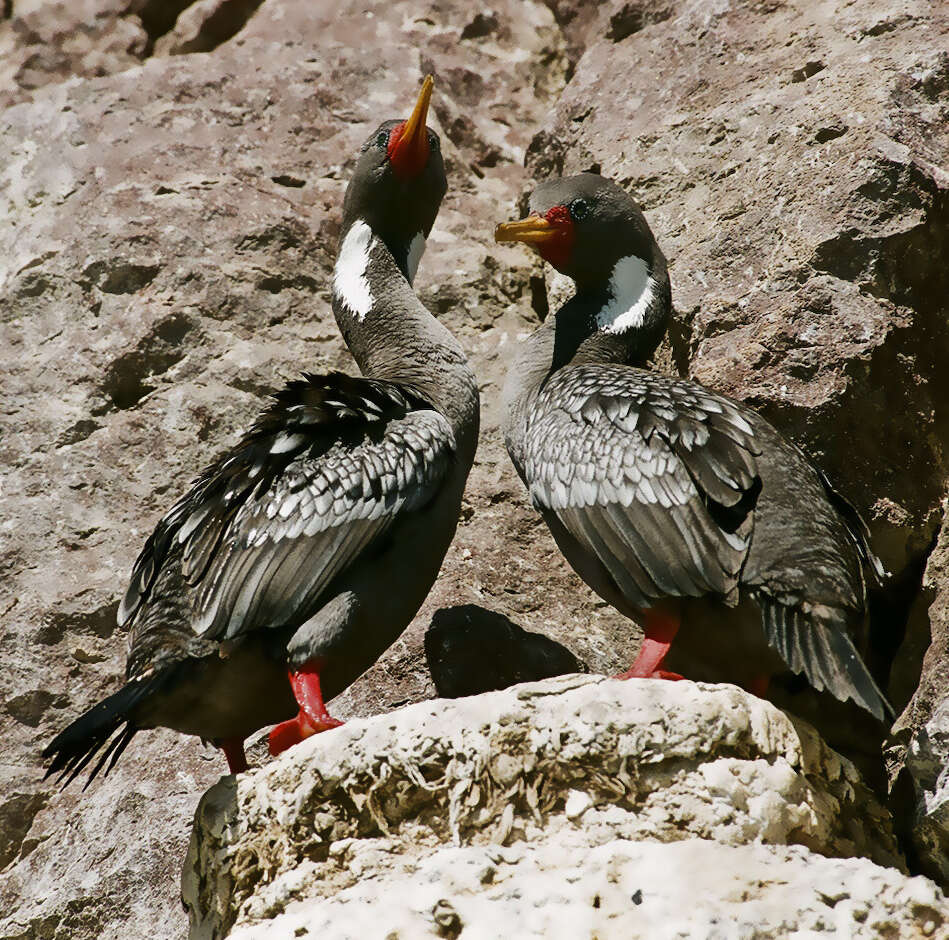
column 534, row 230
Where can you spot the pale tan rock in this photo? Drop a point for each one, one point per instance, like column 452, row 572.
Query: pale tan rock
column 50, row 41
column 540, row 773
column 204, row 25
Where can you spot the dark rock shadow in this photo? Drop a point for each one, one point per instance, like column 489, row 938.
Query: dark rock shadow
column 470, row 650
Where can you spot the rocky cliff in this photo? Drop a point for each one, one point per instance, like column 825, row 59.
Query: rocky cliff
column 170, row 182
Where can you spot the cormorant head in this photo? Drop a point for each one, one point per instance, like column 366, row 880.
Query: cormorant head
column 399, row 180
column 584, row 225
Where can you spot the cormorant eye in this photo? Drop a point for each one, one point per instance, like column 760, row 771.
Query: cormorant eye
column 433, row 143
column 382, row 139
column 579, row 209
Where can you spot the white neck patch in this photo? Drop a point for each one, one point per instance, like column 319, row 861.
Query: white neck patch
column 416, row 250
column 350, row 283
column 632, row 291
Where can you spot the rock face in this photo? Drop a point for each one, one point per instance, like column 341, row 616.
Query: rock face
column 579, row 803
column 919, row 744
column 170, row 189
column 623, row 891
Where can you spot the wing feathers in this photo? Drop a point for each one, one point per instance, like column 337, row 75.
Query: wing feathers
column 658, row 479
column 323, row 473
column 635, row 464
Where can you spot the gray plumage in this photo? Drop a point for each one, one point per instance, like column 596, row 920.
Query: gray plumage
column 323, row 476
column 657, row 489
column 629, row 461
column 312, row 542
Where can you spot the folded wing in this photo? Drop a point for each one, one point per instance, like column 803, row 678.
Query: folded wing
column 657, row 478
column 317, row 482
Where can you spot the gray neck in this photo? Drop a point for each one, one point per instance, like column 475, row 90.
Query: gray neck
column 392, row 335
column 621, row 322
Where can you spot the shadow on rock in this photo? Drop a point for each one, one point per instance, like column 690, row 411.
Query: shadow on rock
column 471, row 650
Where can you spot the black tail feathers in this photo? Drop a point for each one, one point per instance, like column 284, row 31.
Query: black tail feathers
column 76, row 745
column 825, row 654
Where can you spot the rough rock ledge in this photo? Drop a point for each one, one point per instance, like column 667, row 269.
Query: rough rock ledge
column 574, row 807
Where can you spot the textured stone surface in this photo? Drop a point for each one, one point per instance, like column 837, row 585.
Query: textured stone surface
column 919, row 745
column 167, row 223
column 510, row 790
column 204, row 25
column 48, row 42
column 620, row 891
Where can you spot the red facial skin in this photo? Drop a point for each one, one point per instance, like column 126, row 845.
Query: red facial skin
column 557, row 249
column 408, row 157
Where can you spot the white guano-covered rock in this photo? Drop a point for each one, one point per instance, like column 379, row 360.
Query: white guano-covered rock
column 575, row 804
column 623, row 890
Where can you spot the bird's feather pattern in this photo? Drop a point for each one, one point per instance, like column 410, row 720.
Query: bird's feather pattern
column 323, row 473
column 816, row 642
column 655, row 476
column 856, row 528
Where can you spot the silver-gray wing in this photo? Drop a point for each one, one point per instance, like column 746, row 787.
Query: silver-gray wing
column 319, row 480
column 656, row 478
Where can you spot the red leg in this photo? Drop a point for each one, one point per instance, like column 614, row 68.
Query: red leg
column 660, row 625
column 234, row 752
column 312, row 717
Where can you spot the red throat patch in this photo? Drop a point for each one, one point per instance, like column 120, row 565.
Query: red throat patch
column 557, row 250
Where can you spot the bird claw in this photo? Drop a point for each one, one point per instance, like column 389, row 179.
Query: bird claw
column 758, row 685
column 655, row 674
column 660, row 629
column 298, row 729
column 312, row 718
column 233, row 749
column 667, row 674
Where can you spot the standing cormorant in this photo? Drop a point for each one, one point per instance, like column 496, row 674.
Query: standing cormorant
column 669, row 500
column 309, row 546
